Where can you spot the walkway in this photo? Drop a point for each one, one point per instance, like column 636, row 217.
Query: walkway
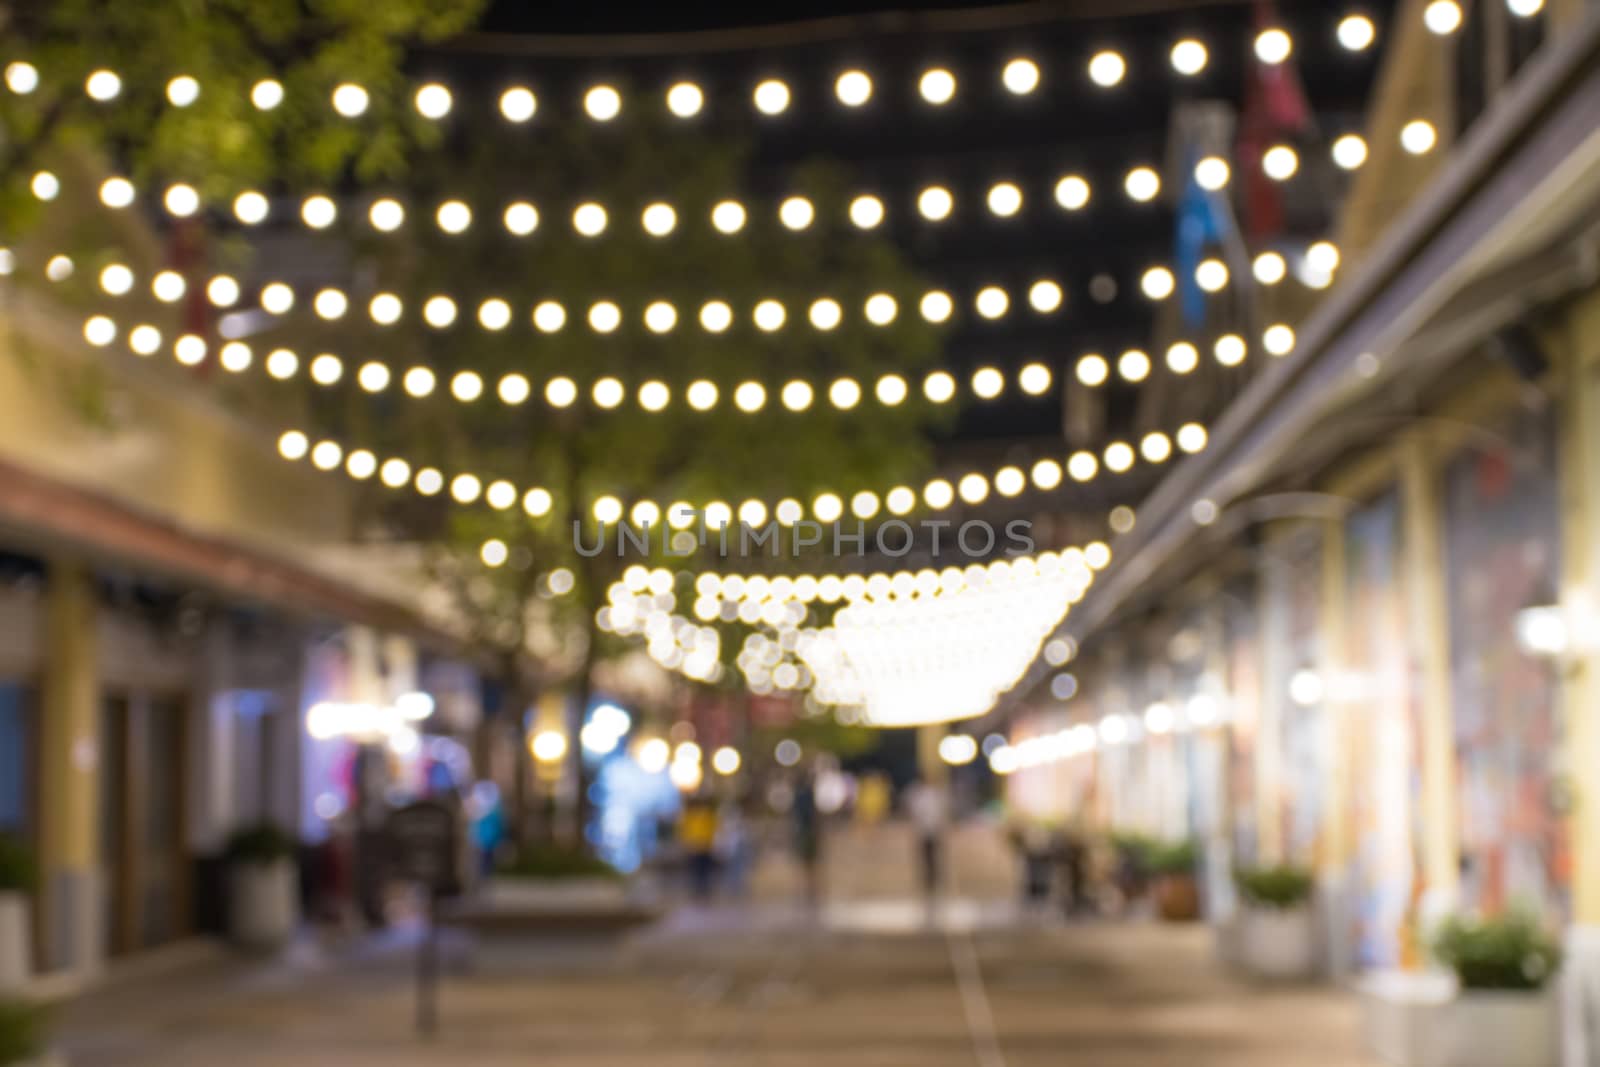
column 871, row 980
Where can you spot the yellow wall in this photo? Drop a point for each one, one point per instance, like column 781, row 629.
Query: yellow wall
column 161, row 445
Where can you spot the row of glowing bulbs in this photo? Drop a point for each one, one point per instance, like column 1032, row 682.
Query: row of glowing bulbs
column 607, row 393
column 866, row 211
column 1202, row 711
column 440, row 311
column 854, row 88
column 909, row 662
column 830, row 588
column 654, row 396
column 973, row 488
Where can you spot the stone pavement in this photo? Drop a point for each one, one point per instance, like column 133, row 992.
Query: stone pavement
column 872, row 978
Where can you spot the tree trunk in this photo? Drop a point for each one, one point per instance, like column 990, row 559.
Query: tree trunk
column 579, row 805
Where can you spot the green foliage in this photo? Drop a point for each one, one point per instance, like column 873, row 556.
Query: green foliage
column 18, row 872
column 21, row 1031
column 1513, row 951
column 822, row 733
column 1170, row 857
column 553, row 860
column 222, row 142
column 1275, row 887
column 262, row 843
column 582, row 452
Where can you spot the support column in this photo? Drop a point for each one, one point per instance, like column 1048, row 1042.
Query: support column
column 1274, row 683
column 71, row 894
column 1338, row 856
column 1428, row 619
column 1580, row 696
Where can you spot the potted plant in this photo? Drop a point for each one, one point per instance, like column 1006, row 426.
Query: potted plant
column 1505, row 1011
column 16, row 921
column 1177, row 890
column 263, row 887
column 22, row 1035
column 1277, row 928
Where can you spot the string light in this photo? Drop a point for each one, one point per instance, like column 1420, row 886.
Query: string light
column 518, row 104
column 103, row 85
column 1189, row 57
column 1072, row 192
column 1107, row 68
column 116, row 192
column 685, row 100
column 603, row 103
column 1269, row 268
column 1005, row 199
column 1442, row 17
column 350, row 100
column 937, row 86
column 1020, row 76
column 250, row 208
column 866, row 212
column 1418, row 137
column 266, row 94
column 854, row 88
column 318, row 212
column 771, row 97
column 1142, row 184
column 1212, row 173
column 935, row 203
column 1280, row 162
column 21, row 78
column 1356, row 33
column 1273, row 46
column 1349, row 151
column 433, row 101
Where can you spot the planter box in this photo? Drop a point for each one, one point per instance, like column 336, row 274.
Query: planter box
column 1423, row 1021
column 556, row 894
column 16, row 939
column 1278, row 942
column 1177, row 898
column 263, row 903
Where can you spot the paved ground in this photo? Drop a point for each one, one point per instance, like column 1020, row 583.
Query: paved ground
column 874, row 977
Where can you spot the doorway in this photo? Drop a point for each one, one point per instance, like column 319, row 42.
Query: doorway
column 144, row 765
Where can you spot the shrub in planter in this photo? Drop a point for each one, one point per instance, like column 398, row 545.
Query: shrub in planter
column 17, row 879
column 263, row 894
column 1172, row 865
column 556, row 861
column 1505, row 1013
column 1508, row 953
column 1277, row 930
column 21, row 1032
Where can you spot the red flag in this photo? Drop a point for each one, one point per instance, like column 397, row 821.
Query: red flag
column 1275, row 109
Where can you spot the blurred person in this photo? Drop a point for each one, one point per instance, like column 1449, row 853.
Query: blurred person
column 808, row 835
column 697, row 835
column 928, row 807
column 488, row 824
column 1037, row 847
column 872, row 798
column 734, row 847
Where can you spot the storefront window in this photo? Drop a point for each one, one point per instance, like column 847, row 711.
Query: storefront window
column 1502, row 521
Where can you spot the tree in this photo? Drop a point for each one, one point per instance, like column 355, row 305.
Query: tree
column 582, row 452
column 220, row 141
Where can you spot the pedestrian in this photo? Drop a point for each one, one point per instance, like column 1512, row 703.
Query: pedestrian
column 926, row 805
column 697, row 835
column 808, row 836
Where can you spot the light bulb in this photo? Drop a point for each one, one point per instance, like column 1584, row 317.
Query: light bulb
column 518, row 104
column 685, row 100
column 937, row 86
column 603, row 103
column 433, row 101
